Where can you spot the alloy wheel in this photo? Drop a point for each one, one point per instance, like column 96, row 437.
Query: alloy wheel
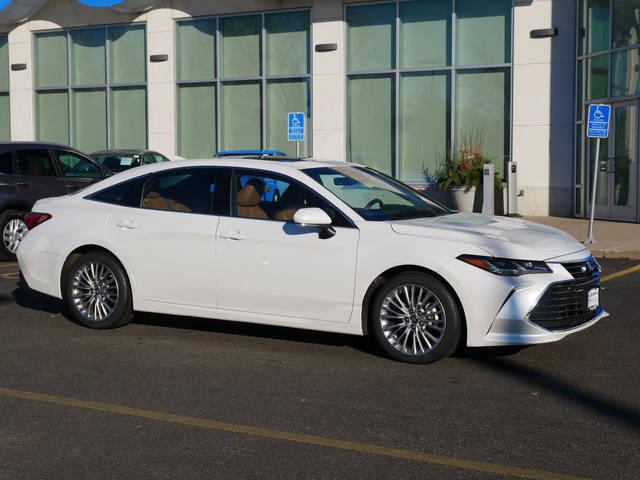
column 95, row 291
column 413, row 319
column 13, row 233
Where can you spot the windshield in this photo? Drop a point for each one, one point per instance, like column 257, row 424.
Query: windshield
column 373, row 195
column 118, row 163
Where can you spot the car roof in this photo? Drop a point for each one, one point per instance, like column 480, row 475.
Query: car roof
column 119, row 152
column 40, row 144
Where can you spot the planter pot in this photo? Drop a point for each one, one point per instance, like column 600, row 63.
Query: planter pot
column 463, row 198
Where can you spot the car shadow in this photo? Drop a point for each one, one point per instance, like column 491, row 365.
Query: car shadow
column 27, row 298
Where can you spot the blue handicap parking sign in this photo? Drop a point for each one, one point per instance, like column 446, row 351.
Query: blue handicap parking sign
column 598, row 124
column 295, row 127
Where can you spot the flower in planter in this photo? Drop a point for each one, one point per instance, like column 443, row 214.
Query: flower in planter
column 463, row 166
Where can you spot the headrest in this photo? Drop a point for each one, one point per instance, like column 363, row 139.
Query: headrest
column 248, row 196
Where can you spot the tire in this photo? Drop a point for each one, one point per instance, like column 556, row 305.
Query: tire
column 400, row 314
column 12, row 229
column 97, row 291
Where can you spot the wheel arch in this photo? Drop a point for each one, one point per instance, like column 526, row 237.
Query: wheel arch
column 385, row 276
column 79, row 251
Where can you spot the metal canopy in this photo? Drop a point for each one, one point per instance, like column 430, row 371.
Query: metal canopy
column 16, row 11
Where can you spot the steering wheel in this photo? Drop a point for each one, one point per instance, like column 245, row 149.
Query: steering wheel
column 373, row 202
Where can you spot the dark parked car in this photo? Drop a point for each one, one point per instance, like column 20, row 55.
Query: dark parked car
column 30, row 171
column 120, row 160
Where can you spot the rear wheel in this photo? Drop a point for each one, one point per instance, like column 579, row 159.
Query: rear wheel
column 13, row 229
column 97, row 291
column 416, row 319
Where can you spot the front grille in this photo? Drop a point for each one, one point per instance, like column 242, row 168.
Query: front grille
column 564, row 305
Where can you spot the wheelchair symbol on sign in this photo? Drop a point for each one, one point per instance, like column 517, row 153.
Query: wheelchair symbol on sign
column 295, row 121
column 598, row 114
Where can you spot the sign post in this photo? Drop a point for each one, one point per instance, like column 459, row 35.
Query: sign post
column 598, row 127
column 295, row 129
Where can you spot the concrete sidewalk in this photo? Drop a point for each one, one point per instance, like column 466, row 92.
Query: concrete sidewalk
column 611, row 239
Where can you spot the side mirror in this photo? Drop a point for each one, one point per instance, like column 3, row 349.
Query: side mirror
column 315, row 218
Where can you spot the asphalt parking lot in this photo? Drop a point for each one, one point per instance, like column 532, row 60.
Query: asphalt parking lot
column 173, row 397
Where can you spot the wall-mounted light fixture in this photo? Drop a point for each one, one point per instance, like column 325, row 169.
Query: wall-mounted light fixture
column 543, row 32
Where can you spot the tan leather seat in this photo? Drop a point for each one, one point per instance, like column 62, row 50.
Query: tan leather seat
column 249, row 202
column 293, row 199
column 155, row 201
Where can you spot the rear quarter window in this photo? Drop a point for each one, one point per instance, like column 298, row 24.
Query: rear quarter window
column 125, row 194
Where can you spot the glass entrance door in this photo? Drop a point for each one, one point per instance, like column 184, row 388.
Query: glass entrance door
column 617, row 192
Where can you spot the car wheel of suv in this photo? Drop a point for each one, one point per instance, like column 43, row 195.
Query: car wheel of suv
column 12, row 228
column 97, row 291
column 415, row 318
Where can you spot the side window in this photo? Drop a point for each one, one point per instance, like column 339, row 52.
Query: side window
column 126, row 194
column 73, row 165
column 34, row 162
column 181, row 190
column 272, row 197
column 159, row 158
column 5, row 163
column 148, row 159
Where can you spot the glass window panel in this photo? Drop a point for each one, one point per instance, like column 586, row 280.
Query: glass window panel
column 240, row 46
column 284, row 96
column 625, row 73
column 88, row 56
column 371, row 125
column 425, row 105
column 579, row 90
column 34, row 162
column 89, row 119
column 578, row 202
column 52, row 114
column 483, row 32
column 127, row 54
column 626, row 23
column 598, row 25
column 482, row 108
column 598, row 75
column 425, row 33
column 196, row 49
column 6, row 163
column 4, row 63
column 184, row 190
column 287, row 43
column 371, row 31
column 5, row 118
column 129, row 118
column 626, row 166
column 73, row 165
column 126, row 194
column 196, row 120
column 240, row 116
column 50, row 59
column 602, row 189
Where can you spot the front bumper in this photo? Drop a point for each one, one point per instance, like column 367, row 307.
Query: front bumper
column 547, row 311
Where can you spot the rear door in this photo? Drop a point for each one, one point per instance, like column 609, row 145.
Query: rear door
column 168, row 242
column 77, row 171
column 36, row 175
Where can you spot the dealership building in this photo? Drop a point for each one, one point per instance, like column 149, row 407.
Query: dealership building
column 391, row 84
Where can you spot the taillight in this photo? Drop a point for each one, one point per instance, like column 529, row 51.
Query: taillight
column 33, row 219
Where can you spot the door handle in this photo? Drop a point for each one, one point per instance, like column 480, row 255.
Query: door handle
column 127, row 224
column 232, row 235
column 22, row 183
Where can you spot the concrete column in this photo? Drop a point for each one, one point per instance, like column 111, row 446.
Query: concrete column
column 329, row 97
column 21, row 85
column 543, row 101
column 160, row 80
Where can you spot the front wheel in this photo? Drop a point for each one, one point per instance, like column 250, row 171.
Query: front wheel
column 13, row 229
column 415, row 318
column 97, row 291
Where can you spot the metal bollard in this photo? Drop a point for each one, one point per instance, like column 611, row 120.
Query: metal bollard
column 487, row 189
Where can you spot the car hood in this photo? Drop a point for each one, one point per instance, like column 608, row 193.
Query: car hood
column 499, row 236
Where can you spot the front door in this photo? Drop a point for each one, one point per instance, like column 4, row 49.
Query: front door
column 267, row 264
column 617, row 191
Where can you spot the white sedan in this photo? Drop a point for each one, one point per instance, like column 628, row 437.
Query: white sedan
column 342, row 248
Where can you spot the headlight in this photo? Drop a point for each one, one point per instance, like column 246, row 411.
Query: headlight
column 505, row 266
